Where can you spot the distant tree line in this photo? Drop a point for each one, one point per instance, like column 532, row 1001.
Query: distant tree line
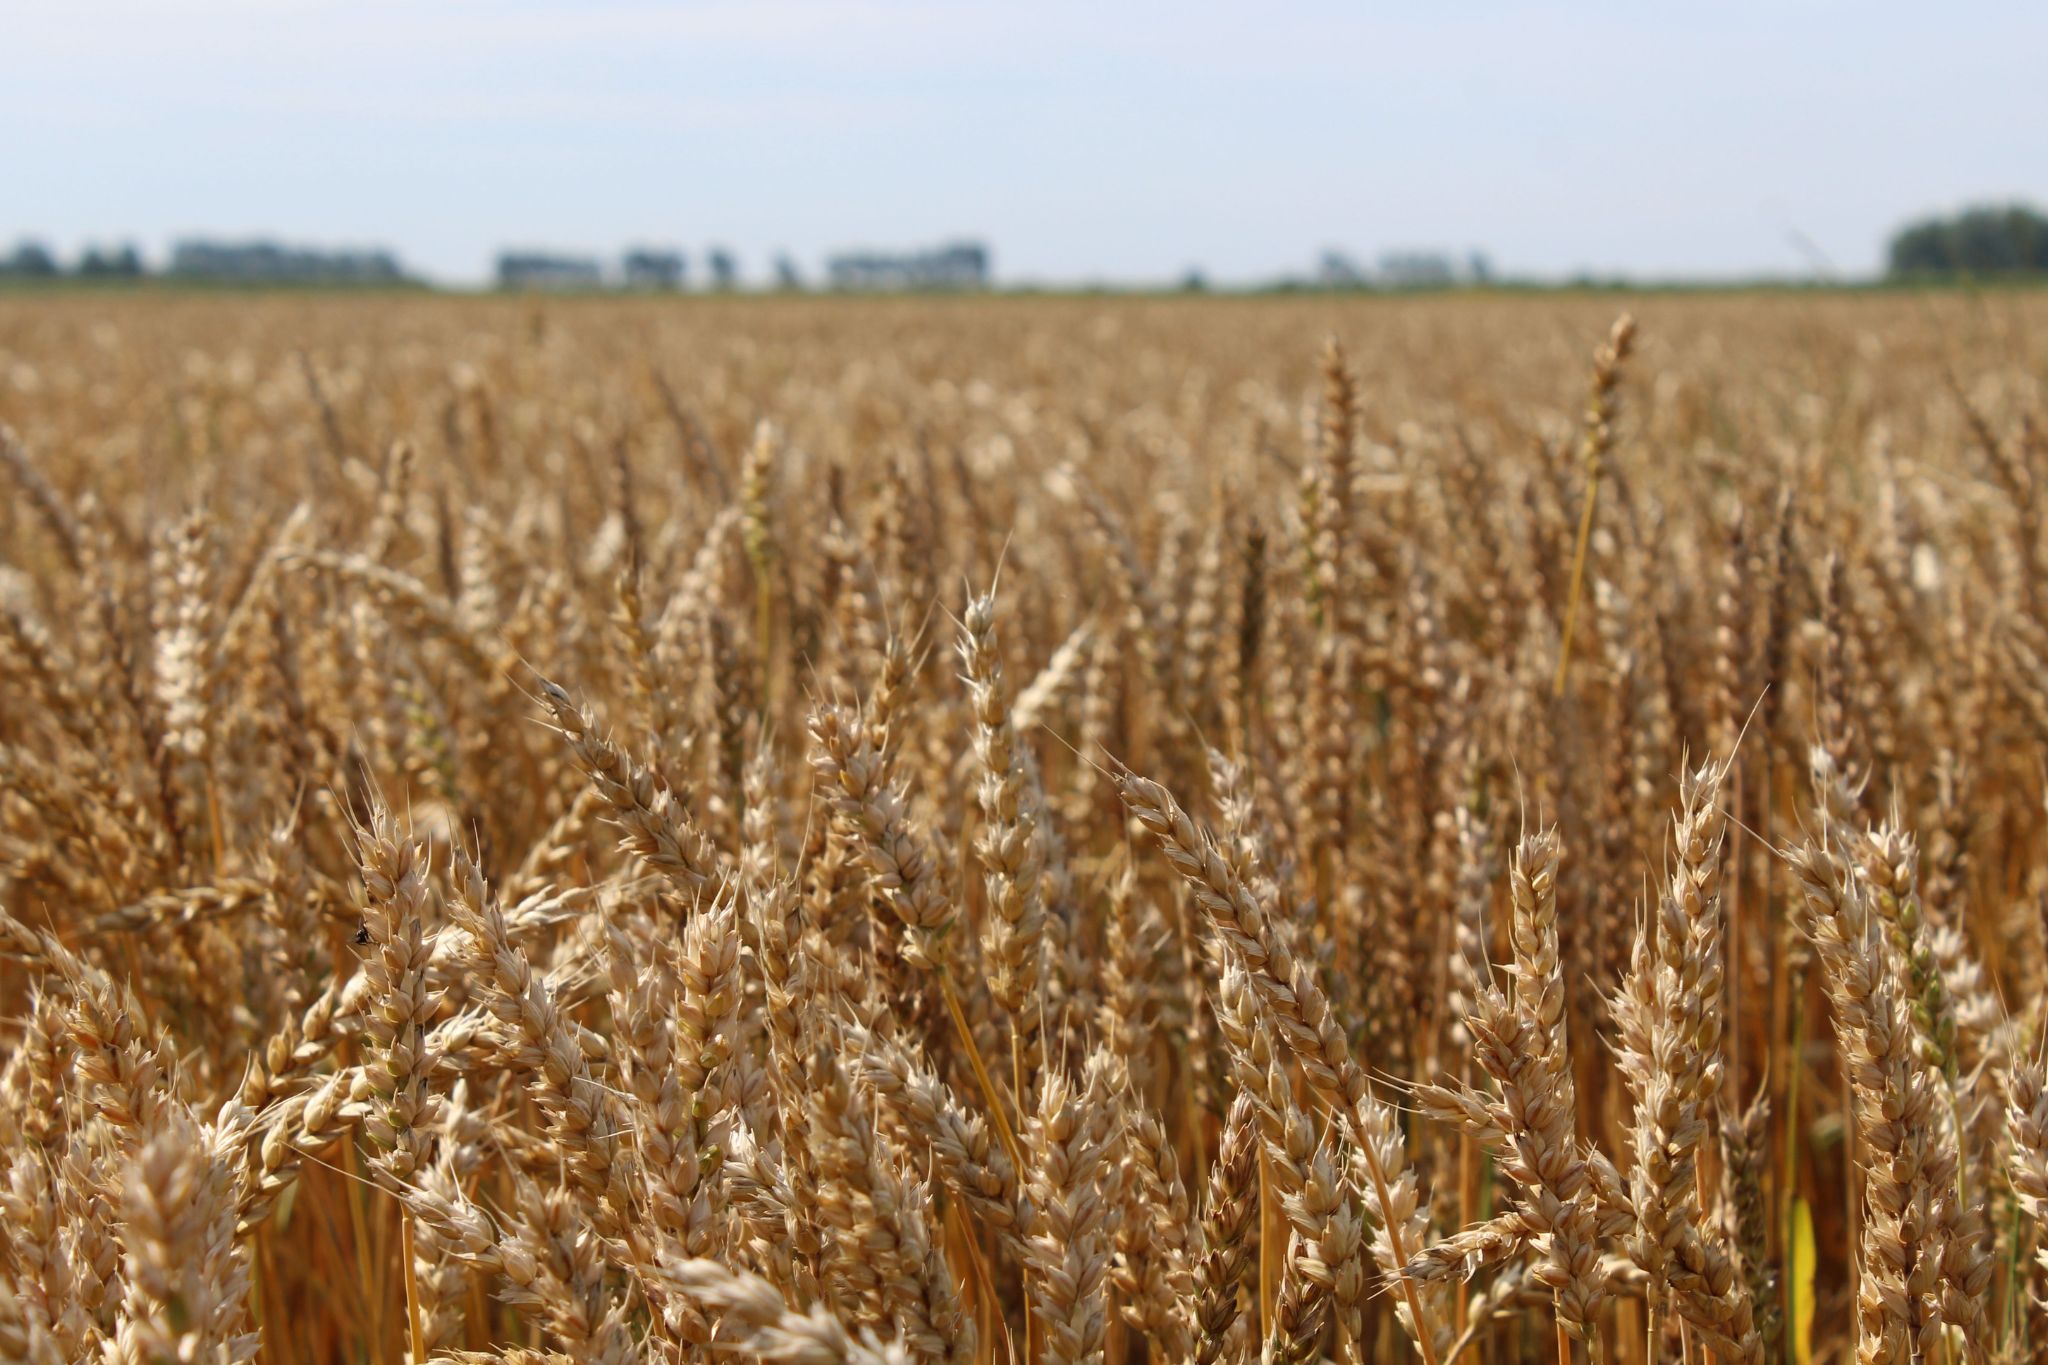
column 954, row 265
column 1990, row 239
column 263, row 262
column 641, row 269
column 1414, row 268
column 202, row 260
column 34, row 261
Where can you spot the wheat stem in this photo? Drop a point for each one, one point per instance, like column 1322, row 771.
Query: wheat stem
column 1571, row 602
column 989, row 1093
column 415, row 1320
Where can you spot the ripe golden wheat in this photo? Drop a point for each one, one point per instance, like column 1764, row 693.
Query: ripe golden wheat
column 1060, row 832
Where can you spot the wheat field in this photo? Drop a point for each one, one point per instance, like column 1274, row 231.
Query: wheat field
column 1063, row 831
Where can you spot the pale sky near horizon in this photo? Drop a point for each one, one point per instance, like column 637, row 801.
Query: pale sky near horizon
column 1082, row 140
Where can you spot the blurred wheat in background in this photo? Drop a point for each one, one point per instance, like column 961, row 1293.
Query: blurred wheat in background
column 1046, row 831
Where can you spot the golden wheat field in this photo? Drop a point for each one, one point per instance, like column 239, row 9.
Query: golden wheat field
column 1062, row 831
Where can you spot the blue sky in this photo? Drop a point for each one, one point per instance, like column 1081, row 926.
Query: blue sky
column 1123, row 141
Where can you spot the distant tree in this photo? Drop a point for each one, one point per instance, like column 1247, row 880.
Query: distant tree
column 1337, row 270
column 653, row 268
column 265, row 262
column 954, row 265
column 122, row 263
column 787, row 277
column 32, row 261
column 1416, row 270
column 527, row 270
column 1194, row 281
column 725, row 271
column 1988, row 239
column 1479, row 268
